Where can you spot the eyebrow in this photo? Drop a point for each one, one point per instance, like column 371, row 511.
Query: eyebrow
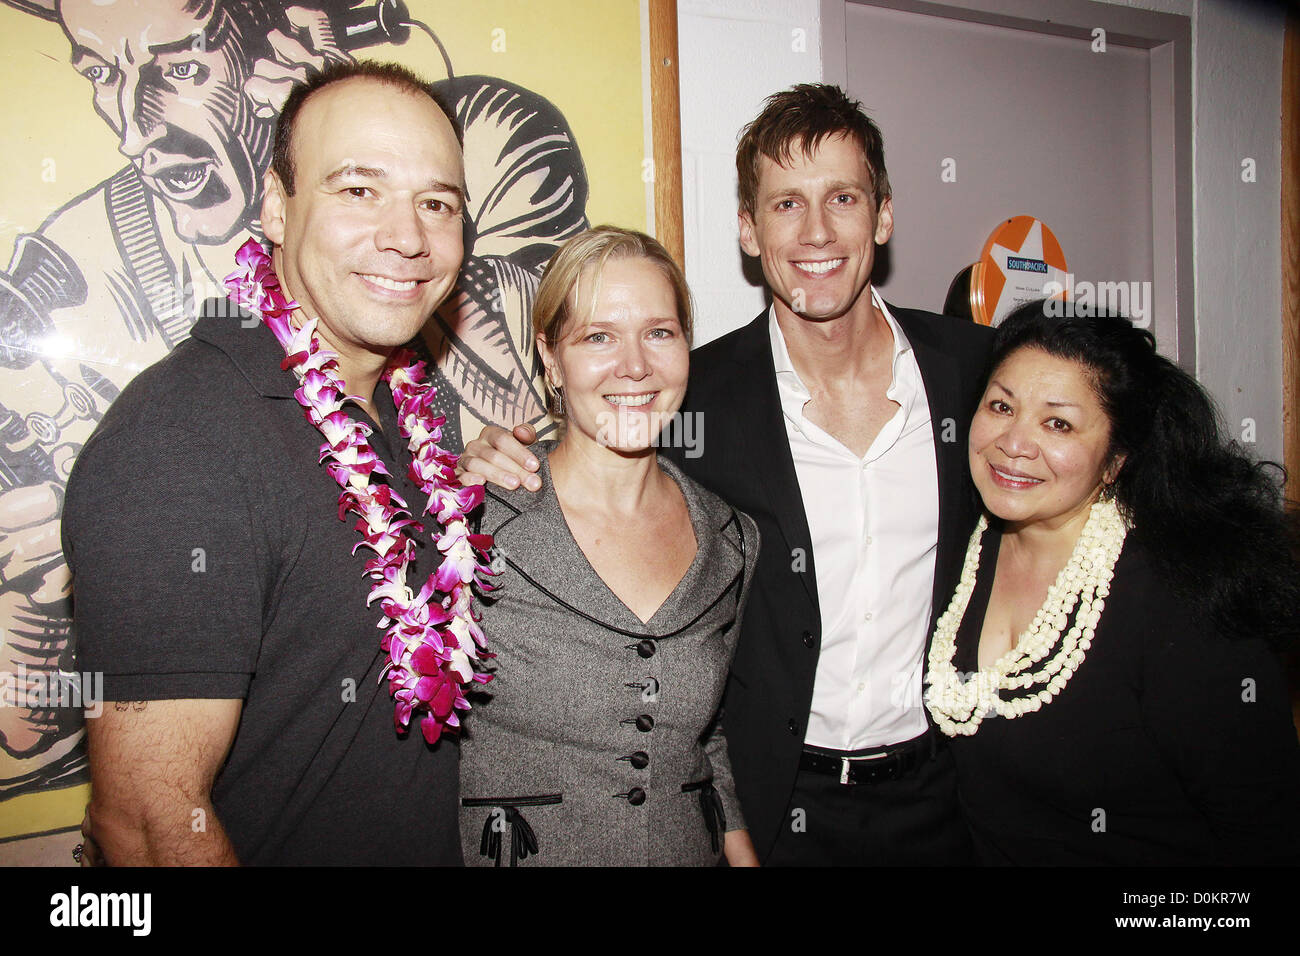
column 352, row 169
column 185, row 43
column 648, row 320
column 1011, row 394
column 438, row 186
column 376, row 172
column 80, row 53
column 834, row 187
column 780, row 195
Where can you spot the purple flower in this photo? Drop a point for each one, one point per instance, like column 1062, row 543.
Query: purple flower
column 432, row 637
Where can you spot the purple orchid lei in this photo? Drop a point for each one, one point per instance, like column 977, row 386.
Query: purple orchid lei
column 431, row 637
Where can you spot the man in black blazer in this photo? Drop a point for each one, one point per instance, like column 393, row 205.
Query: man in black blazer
column 770, row 689
column 837, row 763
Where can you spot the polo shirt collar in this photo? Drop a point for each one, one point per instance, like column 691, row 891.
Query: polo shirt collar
column 249, row 345
column 254, row 351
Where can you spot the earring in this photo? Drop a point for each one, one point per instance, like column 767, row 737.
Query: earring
column 559, row 398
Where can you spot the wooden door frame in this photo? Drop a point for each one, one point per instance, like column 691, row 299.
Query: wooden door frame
column 1291, row 256
column 665, row 106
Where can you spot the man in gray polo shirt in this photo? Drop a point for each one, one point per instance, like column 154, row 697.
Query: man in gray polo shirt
column 215, row 586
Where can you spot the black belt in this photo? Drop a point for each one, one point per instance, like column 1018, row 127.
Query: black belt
column 888, row 764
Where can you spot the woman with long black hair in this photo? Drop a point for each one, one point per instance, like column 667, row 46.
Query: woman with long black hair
column 1107, row 667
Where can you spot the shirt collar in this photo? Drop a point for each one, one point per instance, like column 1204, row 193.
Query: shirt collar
column 536, row 542
column 254, row 351
column 249, row 345
column 785, row 370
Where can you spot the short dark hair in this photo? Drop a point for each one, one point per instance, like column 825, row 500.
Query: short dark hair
column 804, row 115
column 1209, row 514
column 390, row 74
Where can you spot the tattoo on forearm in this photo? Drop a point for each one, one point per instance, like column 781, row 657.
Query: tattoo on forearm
column 136, row 705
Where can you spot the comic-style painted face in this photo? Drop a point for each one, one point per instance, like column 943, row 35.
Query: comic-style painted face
column 170, row 84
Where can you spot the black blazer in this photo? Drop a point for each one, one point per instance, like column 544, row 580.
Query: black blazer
column 745, row 459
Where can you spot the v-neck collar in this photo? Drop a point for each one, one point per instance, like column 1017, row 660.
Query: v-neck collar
column 539, row 544
column 970, row 630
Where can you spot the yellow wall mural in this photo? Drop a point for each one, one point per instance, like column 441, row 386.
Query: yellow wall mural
column 138, row 132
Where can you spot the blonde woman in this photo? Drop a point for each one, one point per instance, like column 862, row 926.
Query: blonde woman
column 599, row 742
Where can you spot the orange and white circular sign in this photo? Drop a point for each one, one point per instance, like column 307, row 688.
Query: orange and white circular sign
column 1019, row 259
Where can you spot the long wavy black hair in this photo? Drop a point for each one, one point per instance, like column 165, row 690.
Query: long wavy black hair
column 1212, row 517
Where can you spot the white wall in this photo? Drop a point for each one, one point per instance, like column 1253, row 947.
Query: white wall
column 1237, row 226
column 735, row 52
column 732, row 54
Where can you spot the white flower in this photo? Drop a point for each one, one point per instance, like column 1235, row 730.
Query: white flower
column 1080, row 588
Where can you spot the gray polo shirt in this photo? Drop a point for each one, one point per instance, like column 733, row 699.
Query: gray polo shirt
column 209, row 561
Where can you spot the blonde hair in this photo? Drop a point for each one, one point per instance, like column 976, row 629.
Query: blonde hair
column 555, row 306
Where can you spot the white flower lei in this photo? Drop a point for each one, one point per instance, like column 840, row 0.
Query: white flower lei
column 1042, row 658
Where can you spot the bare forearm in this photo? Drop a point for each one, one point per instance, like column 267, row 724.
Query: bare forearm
column 166, row 833
column 152, row 765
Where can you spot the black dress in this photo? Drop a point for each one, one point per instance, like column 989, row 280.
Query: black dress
column 1170, row 745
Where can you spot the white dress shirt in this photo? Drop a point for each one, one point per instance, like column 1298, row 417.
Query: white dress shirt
column 874, row 523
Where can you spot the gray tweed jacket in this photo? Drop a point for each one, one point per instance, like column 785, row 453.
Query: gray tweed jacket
column 599, row 740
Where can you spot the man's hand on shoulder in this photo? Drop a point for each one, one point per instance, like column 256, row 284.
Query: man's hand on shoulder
column 501, row 458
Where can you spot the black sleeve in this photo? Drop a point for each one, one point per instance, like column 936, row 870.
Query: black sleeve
column 167, row 588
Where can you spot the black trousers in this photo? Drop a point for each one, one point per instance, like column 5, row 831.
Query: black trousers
column 912, row 821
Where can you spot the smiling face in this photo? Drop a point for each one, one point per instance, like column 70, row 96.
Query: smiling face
column 1040, row 442
column 815, row 229
column 623, row 370
column 171, row 86
column 371, row 241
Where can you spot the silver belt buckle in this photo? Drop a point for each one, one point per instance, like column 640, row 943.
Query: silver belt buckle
column 847, row 762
